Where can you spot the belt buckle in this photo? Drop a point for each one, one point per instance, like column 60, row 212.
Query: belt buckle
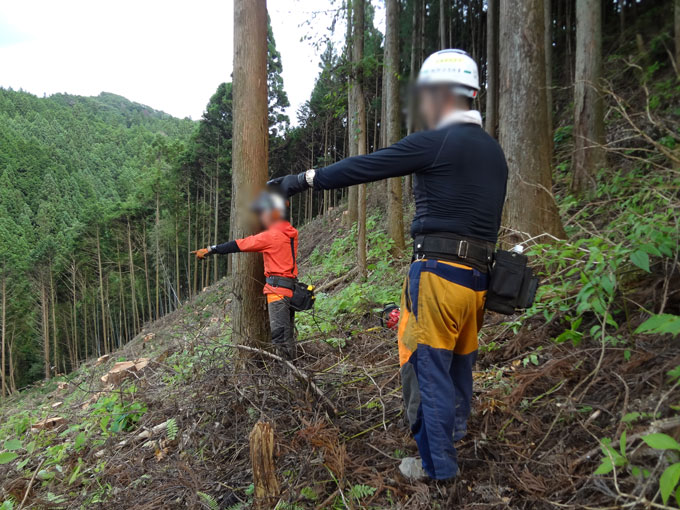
column 463, row 253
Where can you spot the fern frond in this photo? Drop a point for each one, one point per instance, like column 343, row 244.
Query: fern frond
column 171, row 429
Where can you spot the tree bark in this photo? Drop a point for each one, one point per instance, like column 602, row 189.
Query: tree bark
column 146, row 272
column 548, row 37
column 3, row 332
column 217, row 208
column 250, row 144
column 53, row 307
column 133, row 290
column 45, row 314
column 677, row 35
column 530, row 206
column 262, row 459
column 492, row 68
column 589, row 154
column 442, row 24
column 359, row 125
column 157, row 235
column 101, row 292
column 395, row 213
column 352, row 191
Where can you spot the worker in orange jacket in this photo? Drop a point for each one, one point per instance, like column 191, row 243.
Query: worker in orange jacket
column 278, row 243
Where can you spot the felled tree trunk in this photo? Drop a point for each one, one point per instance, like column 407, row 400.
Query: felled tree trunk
column 264, row 472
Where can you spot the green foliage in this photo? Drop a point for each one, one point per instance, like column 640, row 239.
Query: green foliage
column 309, row 493
column 7, row 457
column 586, row 276
column 664, row 323
column 171, row 429
column 208, row 501
column 382, row 285
column 358, row 492
column 117, row 416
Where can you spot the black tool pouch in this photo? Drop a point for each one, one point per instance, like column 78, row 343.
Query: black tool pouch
column 512, row 284
column 303, row 297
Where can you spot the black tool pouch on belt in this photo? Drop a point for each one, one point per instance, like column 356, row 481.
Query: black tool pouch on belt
column 512, row 285
column 303, row 297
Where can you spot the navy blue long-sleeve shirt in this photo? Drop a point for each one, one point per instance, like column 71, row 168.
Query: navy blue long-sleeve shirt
column 460, row 176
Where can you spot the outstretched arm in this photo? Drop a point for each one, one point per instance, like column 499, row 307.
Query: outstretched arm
column 407, row 156
column 258, row 242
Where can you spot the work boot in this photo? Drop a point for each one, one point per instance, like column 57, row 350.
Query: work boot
column 412, row 468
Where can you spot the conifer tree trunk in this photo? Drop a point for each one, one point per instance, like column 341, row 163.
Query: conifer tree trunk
column 157, row 228
column 395, row 213
column 178, row 290
column 588, row 155
column 530, row 206
column 548, row 38
column 491, row 121
column 53, row 307
column 442, row 24
column 415, row 61
column 677, row 34
column 101, row 292
column 44, row 311
column 133, row 285
column 352, row 191
column 3, row 332
column 249, row 162
column 74, row 313
column 86, row 337
column 359, row 125
column 188, row 258
column 146, row 273
column 12, row 382
column 217, row 208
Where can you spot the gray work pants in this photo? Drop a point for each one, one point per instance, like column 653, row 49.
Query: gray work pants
column 282, row 324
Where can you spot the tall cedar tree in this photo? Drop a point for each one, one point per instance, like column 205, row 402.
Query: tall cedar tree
column 352, row 140
column 589, row 154
column 491, row 121
column 359, row 121
column 530, row 207
column 250, row 144
column 395, row 213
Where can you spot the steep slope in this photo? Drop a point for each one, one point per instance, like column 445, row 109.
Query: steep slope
column 175, row 434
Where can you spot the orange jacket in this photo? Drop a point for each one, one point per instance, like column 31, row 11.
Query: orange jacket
column 278, row 245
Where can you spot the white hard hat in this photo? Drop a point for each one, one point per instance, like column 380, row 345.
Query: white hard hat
column 450, row 67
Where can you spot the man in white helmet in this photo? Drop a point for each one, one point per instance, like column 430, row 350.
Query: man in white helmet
column 460, row 176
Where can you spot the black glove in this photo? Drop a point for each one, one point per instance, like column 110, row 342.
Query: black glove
column 290, row 185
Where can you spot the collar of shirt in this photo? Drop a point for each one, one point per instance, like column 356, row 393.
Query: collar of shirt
column 461, row 117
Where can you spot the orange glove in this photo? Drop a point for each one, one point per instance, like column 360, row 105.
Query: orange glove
column 202, row 253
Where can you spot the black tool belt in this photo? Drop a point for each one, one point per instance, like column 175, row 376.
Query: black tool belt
column 281, row 281
column 444, row 246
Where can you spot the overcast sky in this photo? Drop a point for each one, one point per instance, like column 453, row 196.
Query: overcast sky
column 168, row 54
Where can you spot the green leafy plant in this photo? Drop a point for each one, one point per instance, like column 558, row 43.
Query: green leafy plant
column 208, row 501
column 661, row 324
column 359, row 491
column 668, row 482
column 171, row 429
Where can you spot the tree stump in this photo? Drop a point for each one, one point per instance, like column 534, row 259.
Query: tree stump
column 264, row 472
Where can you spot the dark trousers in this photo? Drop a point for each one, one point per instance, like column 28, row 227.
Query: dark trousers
column 282, row 324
